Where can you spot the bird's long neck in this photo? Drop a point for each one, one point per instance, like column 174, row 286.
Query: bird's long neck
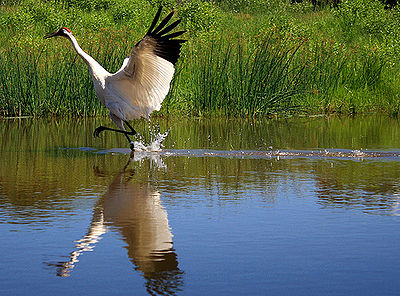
column 94, row 67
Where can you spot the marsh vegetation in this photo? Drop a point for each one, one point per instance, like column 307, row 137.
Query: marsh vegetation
column 243, row 58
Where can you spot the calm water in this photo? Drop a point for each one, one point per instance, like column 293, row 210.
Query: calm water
column 305, row 206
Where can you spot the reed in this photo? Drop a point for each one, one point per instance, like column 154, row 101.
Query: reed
column 51, row 81
column 240, row 77
column 276, row 74
column 251, row 62
column 231, row 77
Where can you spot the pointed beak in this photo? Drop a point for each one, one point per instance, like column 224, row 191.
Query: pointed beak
column 49, row 35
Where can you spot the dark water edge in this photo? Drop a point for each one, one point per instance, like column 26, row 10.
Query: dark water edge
column 228, row 207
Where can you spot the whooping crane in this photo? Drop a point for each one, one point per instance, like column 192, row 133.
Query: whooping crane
column 142, row 83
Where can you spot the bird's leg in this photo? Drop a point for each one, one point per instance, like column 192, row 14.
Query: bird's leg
column 101, row 128
column 132, row 145
column 132, row 129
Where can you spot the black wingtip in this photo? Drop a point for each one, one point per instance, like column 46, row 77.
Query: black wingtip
column 173, row 35
column 166, row 47
column 169, row 28
column 163, row 23
column 155, row 20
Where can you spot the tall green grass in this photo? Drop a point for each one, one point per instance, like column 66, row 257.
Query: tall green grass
column 268, row 74
column 274, row 73
column 51, row 80
column 343, row 81
column 32, row 84
column 231, row 77
column 258, row 58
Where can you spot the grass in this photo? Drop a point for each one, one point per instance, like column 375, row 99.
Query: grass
column 229, row 78
column 44, row 81
column 239, row 61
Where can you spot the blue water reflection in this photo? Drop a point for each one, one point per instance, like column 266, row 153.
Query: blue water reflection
column 198, row 221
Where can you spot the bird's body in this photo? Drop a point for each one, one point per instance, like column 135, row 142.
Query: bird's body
column 141, row 84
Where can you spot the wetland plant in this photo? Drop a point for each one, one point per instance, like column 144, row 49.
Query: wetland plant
column 235, row 78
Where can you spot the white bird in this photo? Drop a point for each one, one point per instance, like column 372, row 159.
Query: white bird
column 141, row 84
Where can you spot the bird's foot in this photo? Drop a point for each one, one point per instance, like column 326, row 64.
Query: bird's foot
column 132, row 145
column 98, row 130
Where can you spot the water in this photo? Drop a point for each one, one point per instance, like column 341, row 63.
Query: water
column 305, row 206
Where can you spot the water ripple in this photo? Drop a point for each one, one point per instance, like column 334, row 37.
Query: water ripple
column 255, row 154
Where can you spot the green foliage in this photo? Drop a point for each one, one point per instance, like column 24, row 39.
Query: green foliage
column 367, row 19
column 243, row 58
column 89, row 4
column 36, row 87
column 231, row 78
column 133, row 12
column 18, row 19
column 250, row 6
column 168, row 4
column 198, row 16
column 366, row 16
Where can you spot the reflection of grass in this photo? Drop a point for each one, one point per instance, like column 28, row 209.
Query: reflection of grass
column 33, row 163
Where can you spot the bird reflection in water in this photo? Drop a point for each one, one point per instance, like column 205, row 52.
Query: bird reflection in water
column 135, row 211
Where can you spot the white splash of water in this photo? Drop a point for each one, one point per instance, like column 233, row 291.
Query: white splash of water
column 155, row 143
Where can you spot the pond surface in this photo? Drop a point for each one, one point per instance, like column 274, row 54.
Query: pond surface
column 302, row 206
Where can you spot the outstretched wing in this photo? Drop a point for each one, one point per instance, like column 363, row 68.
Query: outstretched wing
column 143, row 82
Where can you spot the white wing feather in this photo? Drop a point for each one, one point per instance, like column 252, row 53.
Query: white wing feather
column 141, row 84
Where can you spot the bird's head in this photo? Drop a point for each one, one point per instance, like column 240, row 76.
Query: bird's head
column 64, row 31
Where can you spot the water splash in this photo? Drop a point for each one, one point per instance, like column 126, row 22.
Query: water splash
column 156, row 139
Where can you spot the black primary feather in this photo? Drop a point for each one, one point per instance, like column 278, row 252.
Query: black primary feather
column 155, row 20
column 173, row 35
column 169, row 28
column 163, row 23
column 166, row 47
